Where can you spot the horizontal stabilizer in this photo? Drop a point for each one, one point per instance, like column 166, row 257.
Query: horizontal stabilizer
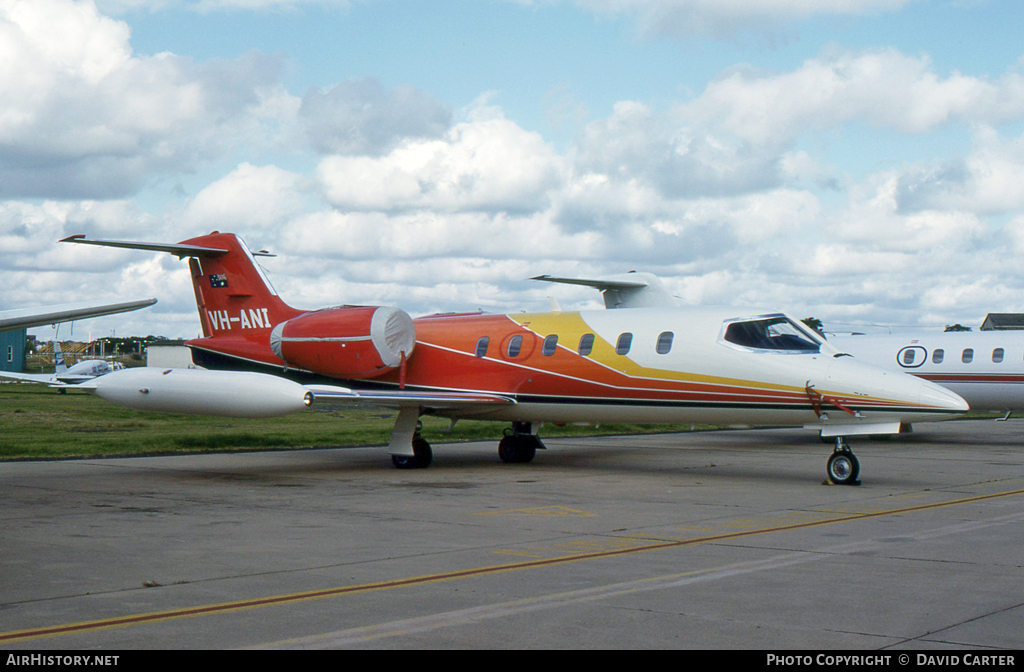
column 174, row 248
column 628, row 290
column 597, row 284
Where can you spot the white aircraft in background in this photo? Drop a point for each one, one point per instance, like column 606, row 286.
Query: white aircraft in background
column 37, row 317
column 645, row 361
column 986, row 368
column 66, row 375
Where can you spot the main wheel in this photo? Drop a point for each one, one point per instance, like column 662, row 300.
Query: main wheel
column 420, row 459
column 517, row 449
column 843, row 468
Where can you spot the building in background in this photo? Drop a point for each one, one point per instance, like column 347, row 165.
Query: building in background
column 169, row 354
column 1003, row 322
column 12, row 350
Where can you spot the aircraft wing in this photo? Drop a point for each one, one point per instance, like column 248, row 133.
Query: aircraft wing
column 246, row 394
column 29, row 377
column 407, row 398
column 37, row 317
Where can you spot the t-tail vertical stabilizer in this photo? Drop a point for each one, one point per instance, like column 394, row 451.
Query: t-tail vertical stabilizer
column 233, row 295
column 238, row 306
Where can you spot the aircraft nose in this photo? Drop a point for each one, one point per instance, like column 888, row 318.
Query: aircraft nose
column 868, row 380
column 942, row 398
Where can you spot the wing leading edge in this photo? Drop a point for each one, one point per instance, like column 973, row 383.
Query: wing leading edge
column 399, row 399
column 38, row 317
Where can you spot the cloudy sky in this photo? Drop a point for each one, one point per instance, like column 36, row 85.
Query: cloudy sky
column 856, row 160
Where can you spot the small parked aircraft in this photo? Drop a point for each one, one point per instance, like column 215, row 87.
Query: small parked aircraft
column 63, row 374
column 642, row 362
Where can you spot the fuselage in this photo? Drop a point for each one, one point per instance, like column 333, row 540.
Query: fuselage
column 650, row 365
column 640, row 364
column 984, row 367
column 80, row 372
column 87, row 370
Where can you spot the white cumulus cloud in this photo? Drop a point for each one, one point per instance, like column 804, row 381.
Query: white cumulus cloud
column 485, row 163
column 720, row 18
column 80, row 116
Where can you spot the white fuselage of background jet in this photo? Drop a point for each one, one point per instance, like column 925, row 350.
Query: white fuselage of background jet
column 986, row 368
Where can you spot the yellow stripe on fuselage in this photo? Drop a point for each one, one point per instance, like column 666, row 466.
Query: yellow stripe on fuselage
column 571, row 327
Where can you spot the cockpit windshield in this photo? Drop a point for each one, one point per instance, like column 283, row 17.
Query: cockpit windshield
column 778, row 334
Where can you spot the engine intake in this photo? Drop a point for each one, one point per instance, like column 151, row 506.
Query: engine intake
column 347, row 342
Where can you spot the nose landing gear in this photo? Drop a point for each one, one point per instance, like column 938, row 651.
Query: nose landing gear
column 843, row 467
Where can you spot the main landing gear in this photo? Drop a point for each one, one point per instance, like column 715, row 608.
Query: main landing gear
column 843, row 466
column 421, row 457
column 519, row 444
column 408, row 449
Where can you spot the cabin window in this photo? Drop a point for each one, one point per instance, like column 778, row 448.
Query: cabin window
column 664, row 342
column 912, row 357
column 968, row 356
column 514, row 346
column 550, row 343
column 997, row 355
column 586, row 345
column 622, row 345
column 938, row 355
column 481, row 346
column 772, row 333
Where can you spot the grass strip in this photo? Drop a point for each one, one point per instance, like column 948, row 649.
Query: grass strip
column 37, row 422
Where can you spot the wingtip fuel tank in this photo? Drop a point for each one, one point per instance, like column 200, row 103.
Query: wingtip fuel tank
column 240, row 394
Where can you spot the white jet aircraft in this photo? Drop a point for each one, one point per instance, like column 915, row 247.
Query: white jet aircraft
column 986, row 368
column 646, row 361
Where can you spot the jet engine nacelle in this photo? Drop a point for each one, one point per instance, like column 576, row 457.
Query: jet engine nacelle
column 236, row 394
column 346, row 342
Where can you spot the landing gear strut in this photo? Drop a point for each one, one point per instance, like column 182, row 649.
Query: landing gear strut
column 421, row 457
column 843, row 466
column 408, row 449
column 520, row 444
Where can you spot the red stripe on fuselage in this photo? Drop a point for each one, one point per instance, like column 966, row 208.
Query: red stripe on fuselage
column 445, row 357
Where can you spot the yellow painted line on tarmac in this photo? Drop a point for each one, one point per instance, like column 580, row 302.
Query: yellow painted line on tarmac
column 292, row 598
column 546, row 511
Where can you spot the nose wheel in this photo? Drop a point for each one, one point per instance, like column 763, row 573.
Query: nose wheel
column 843, row 467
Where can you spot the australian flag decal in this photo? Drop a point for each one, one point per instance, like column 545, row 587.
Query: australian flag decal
column 218, row 280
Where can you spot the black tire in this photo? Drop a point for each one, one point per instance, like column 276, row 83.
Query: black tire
column 843, row 468
column 421, row 458
column 527, row 451
column 517, row 449
column 403, row 461
column 507, row 449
